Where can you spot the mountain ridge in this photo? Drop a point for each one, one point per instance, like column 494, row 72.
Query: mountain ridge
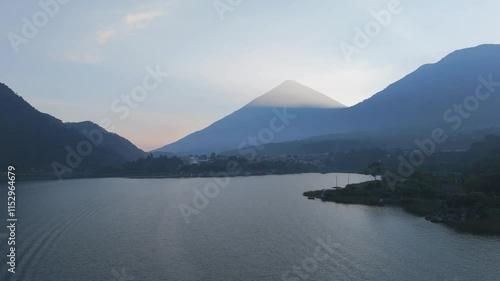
column 255, row 116
column 293, row 94
column 416, row 103
column 36, row 140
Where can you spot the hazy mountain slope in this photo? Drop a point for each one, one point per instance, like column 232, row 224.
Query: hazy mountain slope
column 419, row 100
column 111, row 141
column 291, row 94
column 305, row 104
column 412, row 106
column 33, row 140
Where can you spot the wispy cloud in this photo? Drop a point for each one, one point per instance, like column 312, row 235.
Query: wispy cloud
column 102, row 36
column 141, row 20
column 132, row 20
column 85, row 58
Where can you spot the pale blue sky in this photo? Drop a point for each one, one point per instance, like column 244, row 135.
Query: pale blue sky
column 91, row 52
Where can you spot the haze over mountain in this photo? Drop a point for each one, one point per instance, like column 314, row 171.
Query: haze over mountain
column 289, row 97
column 431, row 97
column 34, row 140
column 292, row 94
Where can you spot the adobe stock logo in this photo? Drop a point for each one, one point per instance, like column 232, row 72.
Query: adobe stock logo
column 363, row 37
column 324, row 251
column 455, row 117
column 30, row 28
column 121, row 275
column 122, row 107
column 222, row 7
column 201, row 200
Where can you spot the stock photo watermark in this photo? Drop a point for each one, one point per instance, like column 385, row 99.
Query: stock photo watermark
column 248, row 149
column 31, row 26
column 11, row 220
column 453, row 116
column 121, row 107
column 310, row 264
column 121, row 275
column 253, row 144
column 364, row 36
column 222, row 7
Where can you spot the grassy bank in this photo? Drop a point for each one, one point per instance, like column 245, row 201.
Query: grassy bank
column 472, row 213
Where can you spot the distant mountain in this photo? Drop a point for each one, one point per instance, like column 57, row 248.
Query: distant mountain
column 340, row 143
column 34, row 140
column 111, row 141
column 287, row 99
column 419, row 101
column 291, row 94
column 439, row 95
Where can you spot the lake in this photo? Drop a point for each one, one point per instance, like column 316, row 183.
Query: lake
column 256, row 228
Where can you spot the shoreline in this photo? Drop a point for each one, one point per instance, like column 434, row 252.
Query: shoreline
column 34, row 177
column 434, row 210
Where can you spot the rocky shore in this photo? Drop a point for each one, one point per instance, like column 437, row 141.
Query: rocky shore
column 451, row 215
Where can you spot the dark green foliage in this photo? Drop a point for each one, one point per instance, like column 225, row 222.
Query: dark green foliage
column 483, row 174
column 151, row 165
column 214, row 165
column 419, row 185
column 487, row 183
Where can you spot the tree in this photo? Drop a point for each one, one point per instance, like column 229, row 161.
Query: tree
column 376, row 169
column 213, row 157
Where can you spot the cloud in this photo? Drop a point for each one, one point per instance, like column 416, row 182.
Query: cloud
column 140, row 20
column 102, row 36
column 86, row 58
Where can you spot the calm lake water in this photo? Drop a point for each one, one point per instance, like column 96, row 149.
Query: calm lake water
column 257, row 228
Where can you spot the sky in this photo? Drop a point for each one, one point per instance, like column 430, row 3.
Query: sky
column 79, row 60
